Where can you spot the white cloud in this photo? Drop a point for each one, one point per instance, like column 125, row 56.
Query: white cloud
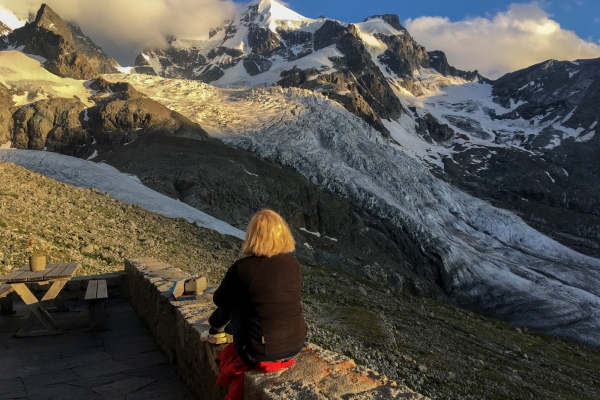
column 123, row 28
column 518, row 38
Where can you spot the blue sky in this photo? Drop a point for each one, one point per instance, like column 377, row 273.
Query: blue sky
column 580, row 16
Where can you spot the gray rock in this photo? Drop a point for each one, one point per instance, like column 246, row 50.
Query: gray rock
column 362, row 290
column 87, row 249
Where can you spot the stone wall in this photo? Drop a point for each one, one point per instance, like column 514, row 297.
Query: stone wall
column 177, row 325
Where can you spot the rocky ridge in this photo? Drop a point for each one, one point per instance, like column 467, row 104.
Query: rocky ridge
column 278, row 40
column 435, row 349
column 48, row 36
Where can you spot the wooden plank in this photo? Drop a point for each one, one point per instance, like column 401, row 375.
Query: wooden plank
column 39, row 276
column 92, row 290
column 102, row 290
column 23, row 277
column 9, row 277
column 68, row 271
column 5, row 290
column 55, row 272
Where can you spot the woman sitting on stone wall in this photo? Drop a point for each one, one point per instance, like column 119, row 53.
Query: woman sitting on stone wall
column 258, row 302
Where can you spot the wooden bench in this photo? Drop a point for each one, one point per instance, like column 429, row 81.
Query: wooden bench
column 95, row 295
column 6, row 301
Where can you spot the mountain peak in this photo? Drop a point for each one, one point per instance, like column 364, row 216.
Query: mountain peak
column 47, row 18
column 270, row 14
column 49, row 36
column 391, row 19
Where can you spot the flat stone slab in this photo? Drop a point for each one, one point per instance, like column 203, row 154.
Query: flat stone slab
column 122, row 362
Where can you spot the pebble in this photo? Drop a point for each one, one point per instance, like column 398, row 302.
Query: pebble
column 421, row 368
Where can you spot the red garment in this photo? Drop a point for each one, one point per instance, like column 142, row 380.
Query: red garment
column 232, row 370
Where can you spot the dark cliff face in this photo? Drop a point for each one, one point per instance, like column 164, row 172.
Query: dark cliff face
column 101, row 62
column 439, row 62
column 50, row 37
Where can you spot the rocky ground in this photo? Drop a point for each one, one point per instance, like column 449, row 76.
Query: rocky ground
column 438, row 350
column 86, row 226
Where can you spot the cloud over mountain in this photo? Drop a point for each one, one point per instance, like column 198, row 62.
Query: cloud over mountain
column 125, row 28
column 511, row 40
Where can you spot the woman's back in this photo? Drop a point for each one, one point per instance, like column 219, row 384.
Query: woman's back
column 273, row 314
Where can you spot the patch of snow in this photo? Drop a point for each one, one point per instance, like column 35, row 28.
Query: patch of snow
column 586, row 137
column 125, row 70
column 569, row 115
column 317, row 234
column 237, row 76
column 552, row 179
column 565, row 171
column 249, row 173
column 575, row 62
column 94, row 155
column 572, row 74
column 308, row 246
column 593, row 125
column 526, row 85
column 332, row 239
column 20, row 70
column 85, row 174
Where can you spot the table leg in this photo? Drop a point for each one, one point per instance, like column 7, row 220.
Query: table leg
column 6, row 304
column 38, row 310
column 52, row 296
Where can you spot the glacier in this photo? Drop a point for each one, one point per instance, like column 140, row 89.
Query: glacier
column 491, row 261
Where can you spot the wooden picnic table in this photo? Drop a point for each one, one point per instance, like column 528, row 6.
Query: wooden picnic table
column 56, row 275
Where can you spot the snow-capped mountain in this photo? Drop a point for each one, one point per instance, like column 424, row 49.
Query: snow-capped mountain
column 517, row 142
column 64, row 49
column 358, row 65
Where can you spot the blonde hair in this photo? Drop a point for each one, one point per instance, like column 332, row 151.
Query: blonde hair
column 267, row 235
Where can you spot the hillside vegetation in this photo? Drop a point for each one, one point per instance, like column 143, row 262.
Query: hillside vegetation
column 436, row 349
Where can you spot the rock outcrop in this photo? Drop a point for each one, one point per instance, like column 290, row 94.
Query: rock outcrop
column 123, row 114
column 48, row 36
column 51, row 125
column 6, row 121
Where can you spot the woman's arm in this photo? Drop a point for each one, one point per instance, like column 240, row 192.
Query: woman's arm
column 230, row 288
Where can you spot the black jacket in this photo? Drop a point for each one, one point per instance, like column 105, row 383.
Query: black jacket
column 263, row 296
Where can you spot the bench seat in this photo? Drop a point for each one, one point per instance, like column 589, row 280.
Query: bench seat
column 95, row 294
